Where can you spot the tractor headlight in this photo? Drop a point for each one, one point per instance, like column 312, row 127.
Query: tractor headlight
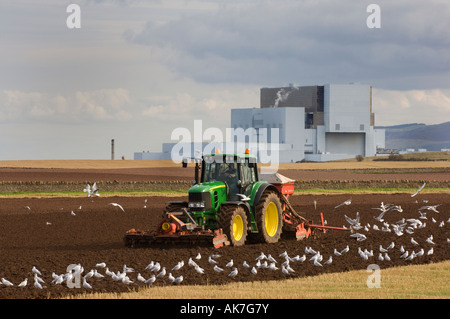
column 197, row 205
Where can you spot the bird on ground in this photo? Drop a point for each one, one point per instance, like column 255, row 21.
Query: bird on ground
column 178, row 280
column 140, row 278
column 127, row 269
column 423, row 215
column 212, row 261
column 413, row 241
column 178, row 266
column 97, row 274
column 36, row 271
column 417, row 192
column 199, row 269
column 38, row 285
column 162, row 273
column 48, row 223
column 229, row 264
column 392, row 245
column 199, row 256
column 217, row 268
column 216, row 256
column 89, row 274
column 171, row 277
column 261, row 256
column 328, row 261
column 245, row 264
column 233, row 273
column 430, row 251
column 272, row 266
column 383, row 250
column 347, row 202
column 156, row 267
column 151, row 280
column 283, row 254
column 284, row 270
column 254, row 271
column 317, row 263
column 86, row 284
column 23, row 283
column 117, row 205
column 126, row 280
column 429, row 240
column 100, row 265
column 270, row 258
column 7, row 283
column 346, row 249
column 302, row 259
column 73, row 213
column 191, row 262
column 405, row 254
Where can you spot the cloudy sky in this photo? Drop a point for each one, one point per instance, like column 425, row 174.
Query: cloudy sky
column 136, row 70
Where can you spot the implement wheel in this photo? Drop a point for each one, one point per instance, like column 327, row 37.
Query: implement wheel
column 269, row 218
column 233, row 221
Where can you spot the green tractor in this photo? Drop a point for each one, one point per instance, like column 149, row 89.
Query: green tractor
column 227, row 204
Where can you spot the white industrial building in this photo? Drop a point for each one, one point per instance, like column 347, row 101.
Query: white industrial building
column 309, row 123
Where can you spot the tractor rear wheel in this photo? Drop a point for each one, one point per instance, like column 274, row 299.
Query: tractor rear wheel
column 269, row 217
column 233, row 221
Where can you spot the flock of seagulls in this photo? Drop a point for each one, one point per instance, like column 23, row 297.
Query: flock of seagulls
column 214, row 264
column 402, row 227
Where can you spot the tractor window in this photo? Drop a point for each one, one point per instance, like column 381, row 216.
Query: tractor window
column 224, row 172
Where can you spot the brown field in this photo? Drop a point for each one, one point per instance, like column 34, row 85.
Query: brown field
column 95, row 233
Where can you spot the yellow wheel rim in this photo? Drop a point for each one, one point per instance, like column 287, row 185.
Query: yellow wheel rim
column 271, row 219
column 238, row 227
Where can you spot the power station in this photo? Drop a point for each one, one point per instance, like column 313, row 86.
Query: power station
column 313, row 123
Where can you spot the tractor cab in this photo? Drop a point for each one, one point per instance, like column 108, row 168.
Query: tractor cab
column 237, row 172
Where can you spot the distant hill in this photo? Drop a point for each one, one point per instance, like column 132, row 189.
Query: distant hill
column 418, row 135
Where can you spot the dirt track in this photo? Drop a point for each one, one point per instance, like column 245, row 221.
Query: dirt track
column 95, row 233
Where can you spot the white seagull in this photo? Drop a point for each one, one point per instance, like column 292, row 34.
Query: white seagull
column 23, row 283
column 417, row 192
column 233, row 273
column 117, row 205
column 347, row 202
column 150, row 280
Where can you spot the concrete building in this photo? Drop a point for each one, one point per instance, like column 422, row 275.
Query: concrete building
column 309, row 123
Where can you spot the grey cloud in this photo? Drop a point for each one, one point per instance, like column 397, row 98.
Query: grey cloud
column 279, row 40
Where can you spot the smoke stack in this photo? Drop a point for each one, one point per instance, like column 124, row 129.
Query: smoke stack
column 112, row 149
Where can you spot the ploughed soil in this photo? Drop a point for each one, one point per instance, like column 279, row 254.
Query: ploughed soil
column 43, row 232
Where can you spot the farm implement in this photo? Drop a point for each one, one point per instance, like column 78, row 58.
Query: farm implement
column 228, row 203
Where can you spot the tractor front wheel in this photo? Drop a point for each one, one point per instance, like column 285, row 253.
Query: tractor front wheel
column 269, row 218
column 233, row 221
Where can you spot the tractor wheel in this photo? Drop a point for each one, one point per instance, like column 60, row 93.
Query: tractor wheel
column 269, row 218
column 233, row 221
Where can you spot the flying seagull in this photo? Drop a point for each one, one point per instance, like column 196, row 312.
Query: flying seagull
column 417, row 192
column 91, row 191
column 244, row 198
column 347, row 202
column 117, row 205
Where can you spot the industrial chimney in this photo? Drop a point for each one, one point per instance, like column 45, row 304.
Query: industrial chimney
column 112, row 149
